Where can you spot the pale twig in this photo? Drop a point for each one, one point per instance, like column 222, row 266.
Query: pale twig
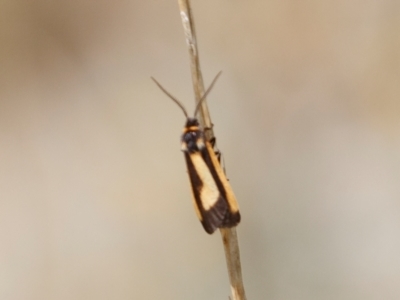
column 229, row 236
column 197, row 78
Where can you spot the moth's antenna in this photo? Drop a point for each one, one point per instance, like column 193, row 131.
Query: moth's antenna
column 206, row 93
column 172, row 97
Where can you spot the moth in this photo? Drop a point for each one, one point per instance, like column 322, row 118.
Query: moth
column 214, row 201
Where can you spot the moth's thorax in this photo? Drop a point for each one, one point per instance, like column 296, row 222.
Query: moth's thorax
column 192, row 137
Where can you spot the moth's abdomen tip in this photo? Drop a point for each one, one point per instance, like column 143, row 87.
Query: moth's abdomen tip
column 233, row 219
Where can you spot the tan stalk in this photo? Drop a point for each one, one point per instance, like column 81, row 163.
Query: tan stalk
column 229, row 236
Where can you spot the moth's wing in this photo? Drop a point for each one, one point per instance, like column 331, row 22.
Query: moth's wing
column 232, row 217
column 210, row 206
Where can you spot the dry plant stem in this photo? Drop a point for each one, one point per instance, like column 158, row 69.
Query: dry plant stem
column 229, row 236
column 197, row 78
column 232, row 255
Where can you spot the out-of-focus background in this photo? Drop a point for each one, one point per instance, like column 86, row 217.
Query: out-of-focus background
column 94, row 197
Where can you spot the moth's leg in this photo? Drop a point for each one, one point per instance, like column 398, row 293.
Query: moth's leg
column 213, row 142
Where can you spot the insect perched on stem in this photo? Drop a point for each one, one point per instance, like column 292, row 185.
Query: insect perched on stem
column 213, row 198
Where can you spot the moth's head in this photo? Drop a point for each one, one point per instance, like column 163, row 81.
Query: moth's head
column 192, row 124
column 192, row 137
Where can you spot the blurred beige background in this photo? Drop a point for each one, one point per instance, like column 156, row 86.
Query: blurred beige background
column 94, row 197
